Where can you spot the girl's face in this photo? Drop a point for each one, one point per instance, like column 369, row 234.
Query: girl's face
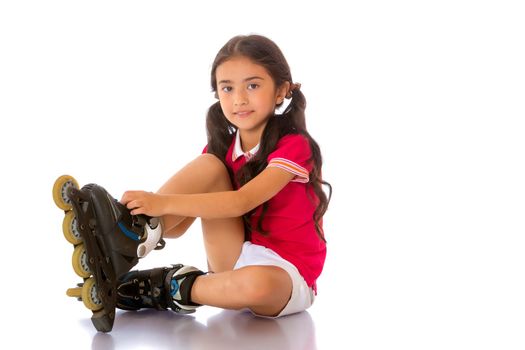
column 248, row 95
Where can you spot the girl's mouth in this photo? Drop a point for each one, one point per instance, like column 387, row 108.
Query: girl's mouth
column 243, row 114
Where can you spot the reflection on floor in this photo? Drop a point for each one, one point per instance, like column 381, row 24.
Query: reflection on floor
column 224, row 330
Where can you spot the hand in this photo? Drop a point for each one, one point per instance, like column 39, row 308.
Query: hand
column 141, row 202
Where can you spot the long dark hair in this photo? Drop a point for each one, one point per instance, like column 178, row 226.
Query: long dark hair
column 220, row 131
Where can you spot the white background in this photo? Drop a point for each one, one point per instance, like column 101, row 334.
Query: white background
column 418, row 107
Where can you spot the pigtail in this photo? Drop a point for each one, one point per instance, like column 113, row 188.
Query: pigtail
column 219, row 131
column 295, row 112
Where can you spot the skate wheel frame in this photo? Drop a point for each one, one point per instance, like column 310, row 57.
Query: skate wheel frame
column 60, row 188
column 86, row 291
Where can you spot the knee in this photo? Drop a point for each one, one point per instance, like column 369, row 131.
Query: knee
column 264, row 285
column 217, row 171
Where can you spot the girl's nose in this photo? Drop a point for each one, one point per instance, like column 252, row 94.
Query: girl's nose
column 240, row 98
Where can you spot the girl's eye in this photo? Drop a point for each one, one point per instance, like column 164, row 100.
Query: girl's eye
column 226, row 88
column 253, row 86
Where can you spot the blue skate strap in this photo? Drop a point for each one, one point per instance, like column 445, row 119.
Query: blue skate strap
column 174, row 287
column 127, row 232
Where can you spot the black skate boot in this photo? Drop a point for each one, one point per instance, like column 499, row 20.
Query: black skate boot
column 158, row 288
column 111, row 241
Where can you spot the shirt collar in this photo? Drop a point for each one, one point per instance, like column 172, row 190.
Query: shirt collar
column 237, row 150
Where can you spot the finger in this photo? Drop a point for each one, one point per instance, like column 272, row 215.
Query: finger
column 133, row 204
column 126, row 197
column 135, row 208
column 129, row 196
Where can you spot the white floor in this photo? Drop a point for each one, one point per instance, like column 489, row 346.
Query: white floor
column 210, row 329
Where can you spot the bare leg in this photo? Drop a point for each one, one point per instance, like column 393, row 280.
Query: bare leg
column 198, row 176
column 264, row 289
column 223, row 238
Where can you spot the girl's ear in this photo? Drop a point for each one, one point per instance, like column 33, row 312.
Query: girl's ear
column 281, row 92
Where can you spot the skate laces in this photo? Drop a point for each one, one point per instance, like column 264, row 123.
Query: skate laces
column 144, row 289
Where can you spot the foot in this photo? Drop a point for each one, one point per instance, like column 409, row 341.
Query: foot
column 158, row 288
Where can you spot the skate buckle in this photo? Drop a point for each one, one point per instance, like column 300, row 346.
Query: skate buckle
column 153, row 236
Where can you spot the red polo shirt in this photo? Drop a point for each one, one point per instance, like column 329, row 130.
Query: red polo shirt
column 289, row 218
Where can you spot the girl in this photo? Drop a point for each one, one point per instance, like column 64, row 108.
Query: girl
column 257, row 188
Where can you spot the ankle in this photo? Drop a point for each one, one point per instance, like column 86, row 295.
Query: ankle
column 181, row 280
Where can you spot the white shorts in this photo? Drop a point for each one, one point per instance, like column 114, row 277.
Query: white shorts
column 302, row 296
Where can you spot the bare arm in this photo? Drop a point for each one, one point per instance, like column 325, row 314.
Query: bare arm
column 211, row 205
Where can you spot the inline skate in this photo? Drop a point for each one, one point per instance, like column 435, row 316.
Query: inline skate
column 107, row 240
